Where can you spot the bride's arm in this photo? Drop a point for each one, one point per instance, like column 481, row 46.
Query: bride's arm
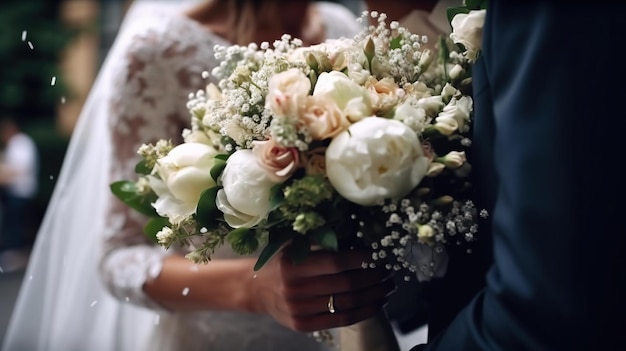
column 148, row 105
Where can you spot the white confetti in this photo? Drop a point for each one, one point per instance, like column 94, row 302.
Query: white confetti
column 194, row 268
column 1, row 271
column 185, row 291
column 63, row 99
column 94, row 303
column 127, row 299
column 30, row 277
column 53, row 81
column 24, row 33
column 205, row 74
column 30, row 45
column 203, row 230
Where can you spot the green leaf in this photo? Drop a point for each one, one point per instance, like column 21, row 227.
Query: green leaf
column 222, row 157
column 218, row 168
column 276, row 196
column 154, row 226
column 453, row 11
column 325, row 237
column 476, row 4
column 299, row 249
column 142, row 168
column 243, row 241
column 207, row 213
column 395, row 43
column 275, row 241
column 127, row 192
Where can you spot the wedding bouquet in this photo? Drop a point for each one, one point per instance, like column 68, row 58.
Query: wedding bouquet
column 358, row 142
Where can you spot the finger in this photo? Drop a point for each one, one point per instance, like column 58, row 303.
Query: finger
column 341, row 301
column 323, row 263
column 337, row 283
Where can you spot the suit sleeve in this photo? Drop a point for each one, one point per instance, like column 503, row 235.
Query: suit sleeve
column 557, row 281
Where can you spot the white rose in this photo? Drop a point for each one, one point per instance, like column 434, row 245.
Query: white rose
column 286, row 89
column 376, row 159
column 245, row 198
column 431, row 104
column 358, row 74
column 456, row 71
column 409, row 113
column 448, row 91
column 467, row 30
column 185, row 174
column 454, row 116
column 351, row 98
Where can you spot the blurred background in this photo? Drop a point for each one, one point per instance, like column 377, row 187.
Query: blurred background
column 50, row 54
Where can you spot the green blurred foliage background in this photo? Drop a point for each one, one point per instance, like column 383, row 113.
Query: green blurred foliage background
column 26, row 89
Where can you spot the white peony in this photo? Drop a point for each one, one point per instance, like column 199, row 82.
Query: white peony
column 184, row 174
column 352, row 99
column 376, row 159
column 245, row 198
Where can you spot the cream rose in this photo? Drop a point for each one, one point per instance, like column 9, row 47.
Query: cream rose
column 286, row 91
column 467, row 30
column 375, row 159
column 352, row 99
column 280, row 162
column 454, row 116
column 245, row 197
column 322, row 118
column 184, row 174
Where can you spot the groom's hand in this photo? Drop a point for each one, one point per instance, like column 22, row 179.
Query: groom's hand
column 299, row 295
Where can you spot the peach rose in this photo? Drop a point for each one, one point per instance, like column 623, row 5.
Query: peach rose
column 280, row 162
column 286, row 90
column 322, row 118
column 384, row 94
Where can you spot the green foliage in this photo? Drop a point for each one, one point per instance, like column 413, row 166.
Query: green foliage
column 243, row 241
column 326, row 238
column 142, row 168
column 218, row 168
column 155, row 225
column 277, row 239
column 128, row 193
column 207, row 213
column 27, row 73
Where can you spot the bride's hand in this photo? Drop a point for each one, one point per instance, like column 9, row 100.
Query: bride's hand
column 298, row 296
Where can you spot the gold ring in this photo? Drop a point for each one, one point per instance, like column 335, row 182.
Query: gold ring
column 331, row 304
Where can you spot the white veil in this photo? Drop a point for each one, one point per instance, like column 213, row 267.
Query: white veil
column 62, row 304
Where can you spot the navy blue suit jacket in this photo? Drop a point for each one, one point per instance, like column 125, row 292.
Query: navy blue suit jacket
column 548, row 156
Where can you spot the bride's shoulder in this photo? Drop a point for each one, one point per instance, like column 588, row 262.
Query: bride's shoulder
column 168, row 34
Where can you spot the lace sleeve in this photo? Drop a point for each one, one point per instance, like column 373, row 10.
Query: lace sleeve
column 152, row 83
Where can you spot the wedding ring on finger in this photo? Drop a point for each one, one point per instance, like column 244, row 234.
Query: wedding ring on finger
column 331, row 304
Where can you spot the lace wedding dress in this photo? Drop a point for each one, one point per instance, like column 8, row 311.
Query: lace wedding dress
column 163, row 65
column 140, row 95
